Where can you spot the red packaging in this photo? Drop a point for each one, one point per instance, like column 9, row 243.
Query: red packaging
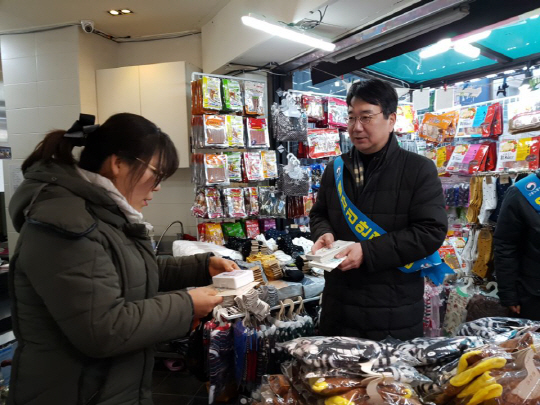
column 337, row 112
column 201, row 230
column 323, row 143
column 252, row 228
column 314, row 107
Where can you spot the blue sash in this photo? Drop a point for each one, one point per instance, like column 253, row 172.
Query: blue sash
column 364, row 229
column 530, row 188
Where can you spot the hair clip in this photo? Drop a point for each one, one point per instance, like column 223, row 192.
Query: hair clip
column 81, row 128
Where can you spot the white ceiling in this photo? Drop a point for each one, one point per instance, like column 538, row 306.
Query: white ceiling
column 150, row 16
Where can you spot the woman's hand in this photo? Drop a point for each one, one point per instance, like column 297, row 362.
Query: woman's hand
column 219, row 265
column 325, row 241
column 204, row 300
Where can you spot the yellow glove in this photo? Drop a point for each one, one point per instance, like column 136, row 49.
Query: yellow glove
column 489, row 392
column 483, row 381
column 318, row 384
column 337, row 400
column 463, row 364
column 484, row 365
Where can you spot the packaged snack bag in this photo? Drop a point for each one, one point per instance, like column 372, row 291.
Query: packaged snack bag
column 257, row 131
column 232, row 95
column 519, row 153
column 251, row 195
column 439, row 127
column 253, row 166
column 211, row 93
column 252, row 228
column 213, row 202
column 215, row 131
column 216, row 169
column 254, row 98
column 337, row 112
column 313, row 105
column 269, row 164
column 323, row 143
column 235, row 131
column 214, row 233
column 234, row 199
column 234, row 166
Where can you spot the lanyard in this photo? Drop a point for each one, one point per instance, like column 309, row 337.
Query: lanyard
column 365, row 229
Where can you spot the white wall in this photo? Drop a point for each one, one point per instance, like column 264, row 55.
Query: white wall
column 41, row 78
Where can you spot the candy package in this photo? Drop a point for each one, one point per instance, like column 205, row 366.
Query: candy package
column 232, row 95
column 233, row 229
column 406, row 122
column 213, row 233
column 272, row 203
column 313, row 105
column 234, row 166
column 493, row 124
column 235, row 131
column 254, row 98
column 519, row 153
column 337, row 112
column 252, row 228
column 251, row 195
column 467, row 158
column 211, row 93
column 269, row 164
column 257, row 132
column 234, row 200
column 439, row 127
column 216, row 169
column 253, row 166
column 213, row 202
column 200, row 209
column 215, row 131
column 323, row 143
column 443, row 155
column 471, row 120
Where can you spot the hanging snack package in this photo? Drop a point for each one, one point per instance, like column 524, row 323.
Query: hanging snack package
column 439, row 127
column 234, row 166
column 518, row 153
column 269, row 164
column 213, row 202
column 443, row 155
column 313, row 105
column 467, row 159
column 233, row 229
column 309, row 200
column 251, row 195
column 234, row 200
column 200, row 209
column 257, row 131
column 211, row 93
column 232, row 95
column 323, row 143
column 215, row 131
column 196, row 102
column 216, row 169
column 197, row 131
column 252, row 228
column 213, row 233
column 524, row 115
column 431, row 154
column 267, row 224
column 253, row 166
column 235, row 131
column 337, row 112
column 406, row 119
column 471, row 120
column 254, row 98
column 201, row 232
column 492, row 126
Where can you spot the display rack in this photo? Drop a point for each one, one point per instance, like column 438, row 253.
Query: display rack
column 274, row 308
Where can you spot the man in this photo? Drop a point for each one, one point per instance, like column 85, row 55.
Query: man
column 517, row 248
column 367, row 295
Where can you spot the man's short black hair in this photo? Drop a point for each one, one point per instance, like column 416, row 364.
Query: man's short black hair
column 376, row 92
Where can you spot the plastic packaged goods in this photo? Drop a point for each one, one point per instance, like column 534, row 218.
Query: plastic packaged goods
column 272, row 203
column 309, row 200
column 289, row 128
column 443, row 155
column 234, row 199
column 406, row 122
column 269, row 164
column 253, row 166
column 197, row 131
column 211, row 93
column 337, row 112
column 251, row 195
column 313, row 105
column 235, row 131
column 471, row 121
column 518, row 153
column 234, row 166
column 524, row 115
column 233, row 279
column 216, row 169
column 213, row 202
column 215, row 131
column 439, row 127
column 267, row 223
column 232, row 95
column 254, row 98
column 323, row 143
column 252, row 228
column 467, row 158
column 257, row 131
column 233, row 229
column 200, row 208
column 213, row 233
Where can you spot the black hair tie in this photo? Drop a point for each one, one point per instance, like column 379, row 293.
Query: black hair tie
column 80, row 129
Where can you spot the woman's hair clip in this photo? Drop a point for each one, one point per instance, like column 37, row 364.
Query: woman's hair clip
column 81, row 128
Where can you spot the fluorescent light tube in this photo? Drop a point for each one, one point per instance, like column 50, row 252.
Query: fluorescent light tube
column 467, row 50
column 491, row 76
column 286, row 33
column 436, row 49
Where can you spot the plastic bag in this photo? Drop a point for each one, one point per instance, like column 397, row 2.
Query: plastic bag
column 254, row 98
column 251, row 195
column 234, row 198
column 294, row 179
column 213, row 234
column 272, row 203
column 290, row 129
column 439, row 127
column 323, row 143
column 200, row 209
column 235, row 131
column 337, row 111
column 211, row 93
column 257, row 131
column 269, row 164
column 215, row 131
column 234, row 166
column 233, row 229
column 213, row 203
column 232, row 95
column 216, row 169
column 519, row 153
column 253, row 166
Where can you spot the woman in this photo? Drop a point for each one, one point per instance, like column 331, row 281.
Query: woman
column 84, row 279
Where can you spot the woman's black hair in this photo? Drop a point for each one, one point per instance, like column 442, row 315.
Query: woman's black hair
column 376, row 92
column 128, row 136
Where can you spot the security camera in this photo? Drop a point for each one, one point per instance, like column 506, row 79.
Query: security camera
column 87, row 26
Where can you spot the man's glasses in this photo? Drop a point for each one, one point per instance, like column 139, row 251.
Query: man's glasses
column 364, row 119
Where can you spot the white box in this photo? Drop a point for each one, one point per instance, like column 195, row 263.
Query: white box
column 233, row 279
column 324, row 255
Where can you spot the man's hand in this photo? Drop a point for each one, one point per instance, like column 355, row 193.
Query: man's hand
column 219, row 265
column 204, row 300
column 355, row 257
column 325, row 241
column 516, row 309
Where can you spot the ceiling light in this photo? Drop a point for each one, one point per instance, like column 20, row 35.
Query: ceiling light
column 458, row 83
column 126, row 11
column 491, row 76
column 286, row 33
column 509, row 72
column 467, row 50
column 475, row 80
column 475, row 37
column 436, row 49
column 534, row 17
column 114, row 12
